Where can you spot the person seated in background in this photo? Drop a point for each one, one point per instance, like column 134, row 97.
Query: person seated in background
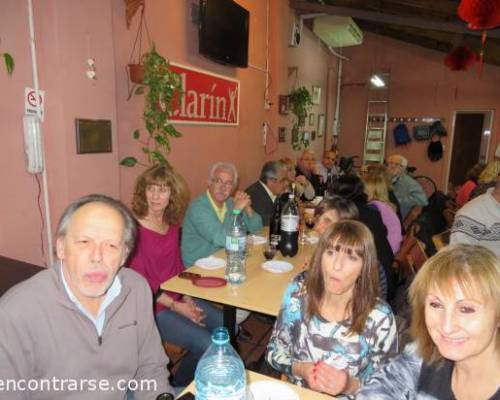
column 478, row 222
column 376, row 190
column 333, row 209
column 492, row 169
column 303, row 188
column 203, row 230
column 84, row 320
column 307, row 167
column 333, row 331
column 455, row 302
column 408, row 191
column 351, row 188
column 181, row 320
column 381, row 170
column 464, row 193
column 327, row 167
column 272, row 182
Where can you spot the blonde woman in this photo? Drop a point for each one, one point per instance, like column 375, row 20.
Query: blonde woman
column 455, row 302
column 378, row 196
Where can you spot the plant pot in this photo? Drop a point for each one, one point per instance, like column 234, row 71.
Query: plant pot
column 136, row 73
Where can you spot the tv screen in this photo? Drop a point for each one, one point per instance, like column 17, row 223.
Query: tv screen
column 223, row 32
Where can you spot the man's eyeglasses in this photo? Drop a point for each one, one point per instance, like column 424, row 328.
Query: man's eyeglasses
column 220, row 182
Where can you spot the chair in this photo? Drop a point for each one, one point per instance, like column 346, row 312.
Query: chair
column 175, row 353
column 416, row 257
column 441, row 239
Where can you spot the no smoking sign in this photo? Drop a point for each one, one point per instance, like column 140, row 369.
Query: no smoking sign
column 31, row 103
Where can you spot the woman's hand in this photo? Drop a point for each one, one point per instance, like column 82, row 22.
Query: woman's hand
column 325, row 378
column 190, row 310
column 331, row 380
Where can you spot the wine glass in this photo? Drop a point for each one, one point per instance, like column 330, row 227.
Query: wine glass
column 269, row 251
column 309, row 219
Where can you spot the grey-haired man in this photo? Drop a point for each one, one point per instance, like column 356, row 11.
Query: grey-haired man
column 85, row 328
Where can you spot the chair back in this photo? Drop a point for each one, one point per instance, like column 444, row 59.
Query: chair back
column 441, row 239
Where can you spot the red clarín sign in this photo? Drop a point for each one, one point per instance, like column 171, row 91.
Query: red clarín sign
column 208, row 99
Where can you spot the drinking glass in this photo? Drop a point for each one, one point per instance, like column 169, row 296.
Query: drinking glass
column 269, row 251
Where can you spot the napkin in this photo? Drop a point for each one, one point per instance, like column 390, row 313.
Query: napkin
column 261, row 390
column 277, row 266
column 256, row 239
column 210, row 262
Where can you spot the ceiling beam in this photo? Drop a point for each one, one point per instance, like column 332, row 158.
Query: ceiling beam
column 305, row 7
column 439, row 41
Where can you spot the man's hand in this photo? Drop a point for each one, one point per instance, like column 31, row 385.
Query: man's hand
column 242, row 201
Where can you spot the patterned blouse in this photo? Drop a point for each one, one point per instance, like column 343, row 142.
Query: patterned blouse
column 294, row 339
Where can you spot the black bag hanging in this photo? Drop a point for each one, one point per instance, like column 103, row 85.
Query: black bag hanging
column 435, row 148
column 437, row 128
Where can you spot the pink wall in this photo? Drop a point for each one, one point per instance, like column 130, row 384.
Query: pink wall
column 420, row 86
column 67, row 34
column 175, row 36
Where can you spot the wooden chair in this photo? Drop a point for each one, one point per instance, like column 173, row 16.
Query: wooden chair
column 410, row 256
column 441, row 239
column 415, row 257
column 175, row 353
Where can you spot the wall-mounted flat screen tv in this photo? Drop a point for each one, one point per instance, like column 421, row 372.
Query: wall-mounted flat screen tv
column 223, row 32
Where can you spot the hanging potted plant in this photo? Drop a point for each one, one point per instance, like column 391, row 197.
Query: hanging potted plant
column 300, row 100
column 160, row 86
column 135, row 66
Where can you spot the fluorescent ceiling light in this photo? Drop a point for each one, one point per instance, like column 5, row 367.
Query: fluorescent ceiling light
column 377, row 81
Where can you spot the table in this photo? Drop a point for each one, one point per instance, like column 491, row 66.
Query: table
column 261, row 292
column 304, row 394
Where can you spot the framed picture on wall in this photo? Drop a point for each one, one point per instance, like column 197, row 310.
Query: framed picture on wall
column 316, row 95
column 311, row 119
column 93, row 136
column 321, row 125
column 283, row 104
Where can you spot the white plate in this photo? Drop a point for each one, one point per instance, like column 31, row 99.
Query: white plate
column 272, row 390
column 277, row 266
column 256, row 239
column 210, row 262
column 312, row 239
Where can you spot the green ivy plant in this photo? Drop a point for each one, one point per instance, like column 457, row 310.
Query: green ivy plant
column 300, row 100
column 160, row 86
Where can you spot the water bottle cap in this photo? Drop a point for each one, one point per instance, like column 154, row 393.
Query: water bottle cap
column 236, row 211
column 220, row 335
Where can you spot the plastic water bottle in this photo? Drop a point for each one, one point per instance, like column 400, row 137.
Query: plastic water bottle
column 236, row 241
column 220, row 374
column 290, row 228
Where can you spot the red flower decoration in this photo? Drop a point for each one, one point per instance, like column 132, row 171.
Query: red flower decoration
column 460, row 58
column 480, row 14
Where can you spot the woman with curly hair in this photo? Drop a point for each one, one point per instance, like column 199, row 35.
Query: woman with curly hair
column 333, row 330
column 158, row 204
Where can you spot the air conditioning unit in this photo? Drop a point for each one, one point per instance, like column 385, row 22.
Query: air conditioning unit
column 337, row 31
column 295, row 32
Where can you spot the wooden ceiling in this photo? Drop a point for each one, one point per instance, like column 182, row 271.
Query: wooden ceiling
column 432, row 24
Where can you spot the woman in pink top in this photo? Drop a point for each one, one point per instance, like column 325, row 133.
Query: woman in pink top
column 158, row 206
column 377, row 192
